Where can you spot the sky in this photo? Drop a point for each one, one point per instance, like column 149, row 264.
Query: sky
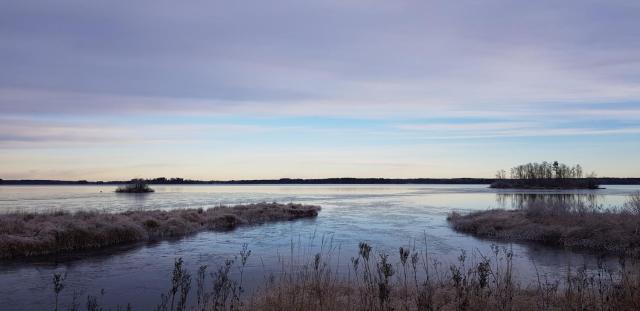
column 112, row 90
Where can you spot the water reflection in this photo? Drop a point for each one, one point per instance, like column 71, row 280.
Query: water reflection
column 138, row 201
column 589, row 201
column 386, row 216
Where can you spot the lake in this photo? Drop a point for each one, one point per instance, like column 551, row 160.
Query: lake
column 386, row 216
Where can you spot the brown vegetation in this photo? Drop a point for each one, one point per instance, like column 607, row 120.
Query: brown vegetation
column 414, row 282
column 567, row 223
column 31, row 234
column 633, row 204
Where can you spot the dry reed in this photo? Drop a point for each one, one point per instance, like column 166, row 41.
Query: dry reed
column 414, row 282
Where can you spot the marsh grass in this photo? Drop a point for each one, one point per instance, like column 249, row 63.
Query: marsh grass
column 378, row 281
column 33, row 234
column 573, row 224
column 633, row 204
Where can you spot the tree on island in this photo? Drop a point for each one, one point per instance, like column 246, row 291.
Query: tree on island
column 546, row 175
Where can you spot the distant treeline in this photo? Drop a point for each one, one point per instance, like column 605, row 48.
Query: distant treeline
column 341, row 181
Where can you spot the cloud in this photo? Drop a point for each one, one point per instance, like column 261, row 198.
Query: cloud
column 327, row 58
column 30, row 133
column 338, row 76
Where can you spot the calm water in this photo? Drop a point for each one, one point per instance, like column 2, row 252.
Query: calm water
column 388, row 216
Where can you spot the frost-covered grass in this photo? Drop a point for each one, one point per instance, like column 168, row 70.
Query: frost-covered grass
column 571, row 224
column 32, row 234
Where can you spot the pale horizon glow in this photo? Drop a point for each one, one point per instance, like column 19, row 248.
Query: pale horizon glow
column 218, row 90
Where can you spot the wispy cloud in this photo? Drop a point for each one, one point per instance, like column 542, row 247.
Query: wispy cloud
column 28, row 133
column 247, row 77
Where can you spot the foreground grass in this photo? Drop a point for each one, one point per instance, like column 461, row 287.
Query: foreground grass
column 32, row 234
column 567, row 224
column 374, row 281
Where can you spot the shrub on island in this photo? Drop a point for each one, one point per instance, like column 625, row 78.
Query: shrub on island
column 136, row 186
column 545, row 175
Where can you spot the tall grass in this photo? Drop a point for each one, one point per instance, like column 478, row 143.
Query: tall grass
column 408, row 280
column 633, row 204
column 31, row 234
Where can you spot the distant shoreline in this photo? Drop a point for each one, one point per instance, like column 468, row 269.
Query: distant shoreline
column 291, row 181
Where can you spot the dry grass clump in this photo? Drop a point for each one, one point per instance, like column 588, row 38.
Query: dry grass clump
column 31, row 234
column 633, row 204
column 570, row 224
column 414, row 281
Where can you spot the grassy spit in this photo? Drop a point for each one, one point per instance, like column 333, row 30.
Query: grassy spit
column 32, row 234
column 571, row 224
column 374, row 281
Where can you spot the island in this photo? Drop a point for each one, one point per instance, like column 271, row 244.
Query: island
column 136, row 186
column 546, row 175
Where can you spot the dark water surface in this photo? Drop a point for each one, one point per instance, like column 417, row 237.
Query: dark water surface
column 387, row 216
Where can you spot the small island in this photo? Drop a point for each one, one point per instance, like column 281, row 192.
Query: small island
column 136, row 186
column 545, row 175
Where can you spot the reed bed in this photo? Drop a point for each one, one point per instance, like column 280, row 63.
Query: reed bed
column 33, row 234
column 407, row 280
